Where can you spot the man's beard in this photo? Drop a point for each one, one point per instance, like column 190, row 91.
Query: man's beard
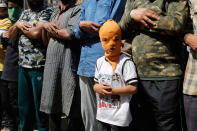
column 35, row 5
column 67, row 1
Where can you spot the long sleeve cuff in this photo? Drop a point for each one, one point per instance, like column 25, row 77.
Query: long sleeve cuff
column 79, row 34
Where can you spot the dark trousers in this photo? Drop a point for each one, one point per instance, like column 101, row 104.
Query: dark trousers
column 156, row 106
column 29, row 95
column 71, row 123
column 190, row 105
column 108, row 127
column 8, row 92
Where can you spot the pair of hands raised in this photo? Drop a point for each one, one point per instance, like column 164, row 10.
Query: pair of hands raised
column 141, row 15
column 51, row 28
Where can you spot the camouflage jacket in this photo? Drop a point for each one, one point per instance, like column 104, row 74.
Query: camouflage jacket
column 156, row 51
column 32, row 52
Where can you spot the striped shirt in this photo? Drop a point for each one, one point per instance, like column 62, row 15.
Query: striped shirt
column 190, row 80
column 60, row 73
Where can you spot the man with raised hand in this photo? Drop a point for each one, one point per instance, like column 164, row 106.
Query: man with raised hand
column 31, row 63
column 157, row 25
column 93, row 14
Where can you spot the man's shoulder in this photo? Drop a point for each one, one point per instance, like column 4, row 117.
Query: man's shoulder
column 75, row 9
column 47, row 9
column 26, row 12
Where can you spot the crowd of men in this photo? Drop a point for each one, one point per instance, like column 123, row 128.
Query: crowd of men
column 61, row 68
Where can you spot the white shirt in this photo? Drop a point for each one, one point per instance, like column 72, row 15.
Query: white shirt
column 115, row 109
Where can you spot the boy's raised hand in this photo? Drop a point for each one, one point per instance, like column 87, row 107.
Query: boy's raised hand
column 5, row 34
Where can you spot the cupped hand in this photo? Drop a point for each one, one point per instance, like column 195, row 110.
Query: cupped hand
column 22, row 25
column 89, row 26
column 144, row 16
column 191, row 40
column 103, row 89
column 51, row 28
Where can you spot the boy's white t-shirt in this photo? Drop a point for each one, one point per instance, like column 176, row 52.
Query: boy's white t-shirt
column 115, row 109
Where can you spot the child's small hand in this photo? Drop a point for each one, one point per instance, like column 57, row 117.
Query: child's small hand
column 5, row 35
column 103, row 89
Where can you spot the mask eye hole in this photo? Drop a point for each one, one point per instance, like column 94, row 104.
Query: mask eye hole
column 104, row 39
column 116, row 38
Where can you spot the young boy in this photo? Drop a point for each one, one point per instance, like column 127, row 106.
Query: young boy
column 5, row 23
column 9, row 84
column 116, row 81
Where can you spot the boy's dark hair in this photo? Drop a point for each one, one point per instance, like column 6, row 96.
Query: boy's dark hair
column 18, row 2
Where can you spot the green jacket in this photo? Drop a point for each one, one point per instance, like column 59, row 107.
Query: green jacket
column 157, row 51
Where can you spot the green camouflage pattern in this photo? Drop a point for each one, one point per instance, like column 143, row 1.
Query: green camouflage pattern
column 156, row 51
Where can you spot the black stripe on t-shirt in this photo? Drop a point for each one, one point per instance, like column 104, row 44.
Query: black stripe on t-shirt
column 124, row 64
column 131, row 80
column 95, row 79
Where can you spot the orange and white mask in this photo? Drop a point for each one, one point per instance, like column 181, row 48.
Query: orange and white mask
column 110, row 37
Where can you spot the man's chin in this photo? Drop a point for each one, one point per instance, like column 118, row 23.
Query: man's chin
column 36, row 7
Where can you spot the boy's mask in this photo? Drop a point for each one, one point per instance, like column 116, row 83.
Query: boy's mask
column 110, row 36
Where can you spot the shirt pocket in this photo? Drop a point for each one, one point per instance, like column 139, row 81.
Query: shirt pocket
column 103, row 10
